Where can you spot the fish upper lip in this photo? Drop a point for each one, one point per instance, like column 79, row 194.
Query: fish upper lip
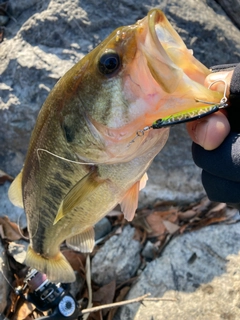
column 154, row 17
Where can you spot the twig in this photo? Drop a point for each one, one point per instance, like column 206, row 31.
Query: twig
column 88, row 280
column 160, row 299
column 121, row 303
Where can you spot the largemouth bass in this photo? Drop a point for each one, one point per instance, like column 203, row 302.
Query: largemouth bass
column 83, row 158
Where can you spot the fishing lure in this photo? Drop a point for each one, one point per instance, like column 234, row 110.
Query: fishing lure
column 187, row 116
column 184, row 117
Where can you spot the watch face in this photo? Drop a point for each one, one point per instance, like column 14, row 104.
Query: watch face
column 67, row 306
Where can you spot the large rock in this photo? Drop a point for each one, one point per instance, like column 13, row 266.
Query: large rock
column 118, row 259
column 232, row 9
column 4, row 278
column 15, row 214
column 46, row 38
column 199, row 270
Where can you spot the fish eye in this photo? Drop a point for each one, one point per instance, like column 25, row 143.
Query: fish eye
column 109, row 63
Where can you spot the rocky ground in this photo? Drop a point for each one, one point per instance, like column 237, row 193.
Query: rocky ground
column 40, row 42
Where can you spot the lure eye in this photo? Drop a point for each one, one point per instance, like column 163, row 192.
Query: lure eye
column 109, row 63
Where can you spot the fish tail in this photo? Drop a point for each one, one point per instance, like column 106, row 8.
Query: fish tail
column 57, row 268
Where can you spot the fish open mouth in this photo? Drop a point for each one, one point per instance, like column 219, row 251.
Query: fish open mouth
column 167, row 74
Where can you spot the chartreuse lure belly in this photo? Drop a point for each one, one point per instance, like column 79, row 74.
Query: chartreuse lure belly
column 186, row 116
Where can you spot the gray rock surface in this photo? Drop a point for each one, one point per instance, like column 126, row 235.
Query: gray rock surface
column 4, row 286
column 48, row 37
column 200, row 270
column 232, row 9
column 18, row 250
column 15, row 214
column 118, row 259
column 102, row 228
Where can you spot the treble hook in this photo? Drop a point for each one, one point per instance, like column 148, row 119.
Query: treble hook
column 224, row 99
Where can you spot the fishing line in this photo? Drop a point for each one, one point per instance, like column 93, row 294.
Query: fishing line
column 33, row 236
column 19, row 229
column 2, row 264
column 59, row 157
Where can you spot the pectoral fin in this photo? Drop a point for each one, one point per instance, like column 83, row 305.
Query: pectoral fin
column 80, row 192
column 83, row 242
column 15, row 191
column 130, row 202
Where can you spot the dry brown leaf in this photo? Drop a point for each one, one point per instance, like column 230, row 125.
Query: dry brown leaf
column 122, row 294
column 171, row 227
column 77, row 260
column 155, row 221
column 95, row 316
column 140, row 235
column 5, row 177
column 23, row 311
column 187, row 215
column 219, row 209
column 10, row 230
column 206, row 222
column 102, row 296
column 203, row 206
column 105, row 294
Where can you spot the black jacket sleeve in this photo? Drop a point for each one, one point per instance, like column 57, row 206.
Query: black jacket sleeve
column 221, row 167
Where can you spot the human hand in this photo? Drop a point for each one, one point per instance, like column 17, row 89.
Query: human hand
column 216, row 147
column 210, row 132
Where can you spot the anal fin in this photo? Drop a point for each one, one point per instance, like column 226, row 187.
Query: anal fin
column 143, row 181
column 57, row 268
column 129, row 203
column 83, row 241
column 15, row 191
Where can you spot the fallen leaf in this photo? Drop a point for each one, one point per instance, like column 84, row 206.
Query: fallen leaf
column 171, row 227
column 10, row 230
column 140, row 235
column 187, row 215
column 77, row 260
column 4, row 176
column 122, row 294
column 156, row 221
column 105, row 295
column 23, row 311
column 219, row 209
